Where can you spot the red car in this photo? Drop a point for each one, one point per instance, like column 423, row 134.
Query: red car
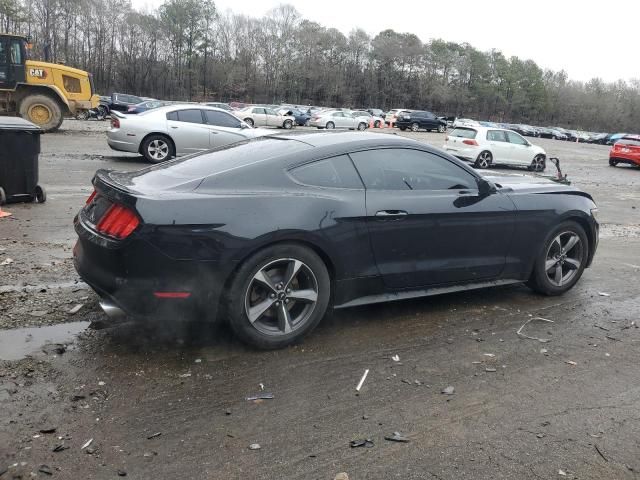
column 626, row 150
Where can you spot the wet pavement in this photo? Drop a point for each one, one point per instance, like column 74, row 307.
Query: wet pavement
column 520, row 408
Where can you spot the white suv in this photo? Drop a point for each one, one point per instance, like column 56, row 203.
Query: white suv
column 484, row 146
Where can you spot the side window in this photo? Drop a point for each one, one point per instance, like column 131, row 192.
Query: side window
column 220, row 119
column 336, row 172
column 258, row 111
column 270, row 111
column 71, row 84
column 172, row 116
column 336, row 114
column 406, row 169
column 190, row 116
column 15, row 53
column 515, row 138
column 496, row 136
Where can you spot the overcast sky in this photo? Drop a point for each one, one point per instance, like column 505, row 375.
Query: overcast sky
column 586, row 38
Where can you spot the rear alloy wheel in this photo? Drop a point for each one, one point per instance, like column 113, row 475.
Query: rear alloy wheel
column 484, row 160
column 612, row 162
column 287, row 125
column 538, row 164
column 277, row 296
column 415, row 127
column 362, row 126
column 441, row 128
column 330, row 126
column 249, row 121
column 157, row 148
column 562, row 260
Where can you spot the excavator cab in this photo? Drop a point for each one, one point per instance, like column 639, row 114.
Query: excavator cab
column 13, row 55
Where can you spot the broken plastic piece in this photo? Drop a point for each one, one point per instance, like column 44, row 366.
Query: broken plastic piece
column 541, row 340
column 604, row 294
column 364, row 376
column 260, row 396
column 449, row 390
column 365, row 442
column 397, row 437
column 255, row 446
column 396, row 358
column 87, row 444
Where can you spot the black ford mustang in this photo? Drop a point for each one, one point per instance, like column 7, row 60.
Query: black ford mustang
column 268, row 233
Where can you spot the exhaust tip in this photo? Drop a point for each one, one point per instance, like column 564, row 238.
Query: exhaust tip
column 112, row 310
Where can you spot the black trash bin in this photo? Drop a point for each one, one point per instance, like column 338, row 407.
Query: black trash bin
column 19, row 150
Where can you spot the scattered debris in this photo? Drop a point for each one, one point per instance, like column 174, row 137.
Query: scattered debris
column 604, row 294
column 38, row 313
column 600, row 453
column 149, row 454
column 198, row 360
column 260, row 396
column 365, row 417
column 227, row 411
column 543, row 350
column 601, row 327
column 397, row 437
column 613, row 338
column 364, row 376
column 541, row 340
column 6, row 261
column 255, row 446
column 570, row 362
column 341, row 476
column 449, row 390
column 59, row 448
column 54, row 348
column 91, row 450
column 540, row 435
column 364, row 442
column 489, row 369
column 76, row 309
column 184, row 375
column 396, row 358
column 261, row 385
column 75, row 398
column 154, row 435
column 48, row 430
column 101, row 383
column 122, row 473
column 491, row 355
column 562, row 473
column 87, row 444
column 45, row 469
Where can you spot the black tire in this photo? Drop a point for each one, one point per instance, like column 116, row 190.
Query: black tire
column 538, row 164
column 82, row 115
column 539, row 280
column 612, row 162
column 3, row 196
column 484, row 160
column 41, row 194
column 287, row 125
column 307, row 122
column 376, row 124
column 238, row 297
column 442, row 128
column 249, row 121
column 402, row 128
column 43, row 110
column 163, row 146
column 102, row 112
column 330, row 126
column 362, row 126
column 415, row 127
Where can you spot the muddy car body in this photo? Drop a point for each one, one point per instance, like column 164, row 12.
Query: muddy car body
column 274, row 230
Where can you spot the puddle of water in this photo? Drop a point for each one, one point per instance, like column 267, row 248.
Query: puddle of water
column 18, row 343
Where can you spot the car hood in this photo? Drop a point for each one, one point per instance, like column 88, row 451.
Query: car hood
column 527, row 184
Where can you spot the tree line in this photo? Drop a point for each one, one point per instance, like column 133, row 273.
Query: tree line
column 188, row 50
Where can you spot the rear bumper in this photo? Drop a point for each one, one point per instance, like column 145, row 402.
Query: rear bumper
column 466, row 154
column 122, row 145
column 131, row 278
column 629, row 161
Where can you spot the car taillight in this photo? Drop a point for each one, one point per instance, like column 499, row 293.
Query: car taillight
column 91, row 197
column 119, row 222
column 115, row 123
column 470, row 142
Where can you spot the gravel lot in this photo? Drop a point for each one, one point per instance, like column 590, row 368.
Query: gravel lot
column 521, row 409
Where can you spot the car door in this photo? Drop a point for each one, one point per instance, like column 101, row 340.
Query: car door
column 339, row 119
column 520, row 149
column 259, row 116
column 499, row 146
column 188, row 130
column 272, row 118
column 429, row 121
column 224, row 128
column 428, row 223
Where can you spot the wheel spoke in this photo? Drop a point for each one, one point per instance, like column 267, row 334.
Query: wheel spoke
column 557, row 242
column 558, row 276
column 258, row 310
column 573, row 240
column 549, row 264
column 572, row 263
column 292, row 270
column 284, row 319
column 263, row 277
column 304, row 295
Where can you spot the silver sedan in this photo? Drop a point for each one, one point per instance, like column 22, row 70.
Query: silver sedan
column 331, row 119
column 165, row 132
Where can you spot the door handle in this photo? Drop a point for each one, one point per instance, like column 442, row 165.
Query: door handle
column 173, row 127
column 391, row 213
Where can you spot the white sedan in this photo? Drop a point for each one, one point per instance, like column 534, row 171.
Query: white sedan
column 484, row 146
column 265, row 117
column 164, row 132
column 331, row 119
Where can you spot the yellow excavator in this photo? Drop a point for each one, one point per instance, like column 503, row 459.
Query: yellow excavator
column 41, row 92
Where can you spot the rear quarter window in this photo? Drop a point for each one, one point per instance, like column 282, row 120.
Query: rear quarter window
column 463, row 133
column 336, row 172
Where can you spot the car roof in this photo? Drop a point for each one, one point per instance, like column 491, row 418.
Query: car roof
column 345, row 139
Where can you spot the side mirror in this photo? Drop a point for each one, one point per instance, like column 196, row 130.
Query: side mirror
column 486, row 188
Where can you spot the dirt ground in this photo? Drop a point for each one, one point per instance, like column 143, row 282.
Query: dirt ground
column 169, row 401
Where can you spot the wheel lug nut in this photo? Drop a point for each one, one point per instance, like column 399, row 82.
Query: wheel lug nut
column 288, row 290
column 273, row 295
column 277, row 304
column 286, row 300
